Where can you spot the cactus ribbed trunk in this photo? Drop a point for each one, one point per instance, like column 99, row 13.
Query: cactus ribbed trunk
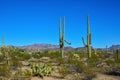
column 62, row 35
column 89, row 51
column 88, row 37
column 117, row 55
column 2, row 41
column 88, row 45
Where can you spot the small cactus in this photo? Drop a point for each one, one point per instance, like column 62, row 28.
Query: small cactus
column 41, row 70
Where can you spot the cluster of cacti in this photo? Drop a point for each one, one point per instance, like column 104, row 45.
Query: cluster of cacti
column 41, row 70
column 88, row 44
column 62, row 36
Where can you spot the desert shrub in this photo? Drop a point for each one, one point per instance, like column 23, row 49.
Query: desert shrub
column 15, row 63
column 110, row 62
column 25, row 73
column 2, row 57
column 101, row 54
column 55, row 54
column 64, row 70
column 89, row 73
column 37, row 54
column 75, row 63
column 22, row 75
column 81, row 53
column 75, row 76
column 60, row 60
column 106, row 66
column 78, row 65
column 25, row 56
column 5, row 70
column 92, row 62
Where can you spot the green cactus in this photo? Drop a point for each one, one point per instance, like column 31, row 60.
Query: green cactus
column 89, row 41
column 62, row 36
column 6, row 53
column 3, row 41
column 41, row 70
column 117, row 55
column 106, row 49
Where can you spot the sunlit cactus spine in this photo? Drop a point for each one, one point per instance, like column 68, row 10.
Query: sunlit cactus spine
column 62, row 36
column 88, row 44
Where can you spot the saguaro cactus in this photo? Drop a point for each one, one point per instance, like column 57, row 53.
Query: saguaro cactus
column 3, row 41
column 88, row 45
column 62, row 36
column 106, row 49
column 116, row 55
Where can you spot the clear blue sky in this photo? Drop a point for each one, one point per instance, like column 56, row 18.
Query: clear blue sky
column 24, row 22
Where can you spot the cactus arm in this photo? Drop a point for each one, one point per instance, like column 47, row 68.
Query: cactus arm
column 67, row 42
column 88, row 25
column 83, row 41
column 60, row 32
column 63, row 26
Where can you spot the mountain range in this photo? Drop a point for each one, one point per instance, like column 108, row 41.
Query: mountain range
column 45, row 46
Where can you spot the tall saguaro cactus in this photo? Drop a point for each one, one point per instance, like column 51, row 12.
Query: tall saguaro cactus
column 62, row 36
column 88, row 44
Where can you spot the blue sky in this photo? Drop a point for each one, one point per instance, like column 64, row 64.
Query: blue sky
column 24, row 22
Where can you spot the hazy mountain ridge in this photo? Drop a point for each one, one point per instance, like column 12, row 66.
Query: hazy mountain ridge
column 56, row 47
column 39, row 46
column 114, row 47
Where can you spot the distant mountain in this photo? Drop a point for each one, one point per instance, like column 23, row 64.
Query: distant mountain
column 44, row 47
column 39, row 46
column 114, row 47
column 56, row 47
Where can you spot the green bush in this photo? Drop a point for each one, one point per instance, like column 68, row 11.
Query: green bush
column 37, row 54
column 15, row 62
column 89, row 73
column 25, row 73
column 110, row 62
column 54, row 54
column 76, row 64
column 2, row 57
column 92, row 62
column 64, row 70
column 5, row 70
